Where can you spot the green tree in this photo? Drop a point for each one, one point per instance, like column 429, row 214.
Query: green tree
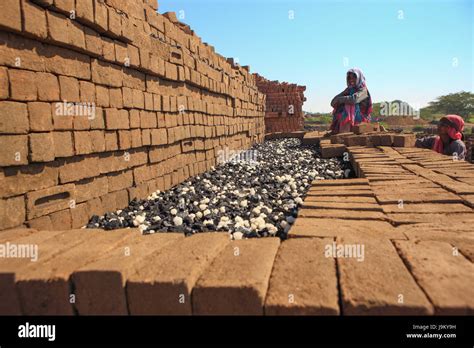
column 461, row 103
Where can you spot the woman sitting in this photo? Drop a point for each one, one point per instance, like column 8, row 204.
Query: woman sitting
column 353, row 105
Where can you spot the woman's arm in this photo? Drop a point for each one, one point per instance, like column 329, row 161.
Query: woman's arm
column 359, row 96
column 339, row 99
column 425, row 143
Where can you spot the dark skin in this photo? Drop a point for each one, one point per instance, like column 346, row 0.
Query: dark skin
column 443, row 133
column 352, row 79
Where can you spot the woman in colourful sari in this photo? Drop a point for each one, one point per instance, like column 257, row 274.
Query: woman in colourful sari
column 449, row 140
column 353, row 105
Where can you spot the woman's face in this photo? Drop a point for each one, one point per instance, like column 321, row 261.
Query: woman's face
column 352, row 79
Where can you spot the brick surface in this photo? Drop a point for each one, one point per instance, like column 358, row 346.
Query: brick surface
column 41, row 147
column 22, row 85
column 186, row 263
column 365, row 287
column 100, row 286
column 447, row 279
column 237, row 280
column 13, row 118
column 44, row 287
column 14, row 150
column 10, row 16
column 303, row 280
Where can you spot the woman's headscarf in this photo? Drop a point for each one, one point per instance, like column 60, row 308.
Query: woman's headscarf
column 455, row 125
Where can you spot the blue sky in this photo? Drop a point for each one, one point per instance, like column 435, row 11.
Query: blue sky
column 411, row 50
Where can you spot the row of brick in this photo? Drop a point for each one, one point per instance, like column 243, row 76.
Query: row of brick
column 410, row 269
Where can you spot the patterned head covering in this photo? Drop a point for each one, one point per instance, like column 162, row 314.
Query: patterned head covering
column 360, row 77
column 455, row 125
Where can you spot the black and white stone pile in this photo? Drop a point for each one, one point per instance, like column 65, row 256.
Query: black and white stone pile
column 256, row 194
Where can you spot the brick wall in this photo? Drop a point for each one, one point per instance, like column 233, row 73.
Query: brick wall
column 284, row 105
column 161, row 105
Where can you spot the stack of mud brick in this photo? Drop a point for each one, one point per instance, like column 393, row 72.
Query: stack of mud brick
column 365, row 134
column 284, row 105
column 162, row 104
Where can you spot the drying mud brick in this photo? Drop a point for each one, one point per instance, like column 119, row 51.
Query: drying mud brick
column 303, row 280
column 49, row 200
column 365, row 287
column 365, row 128
column 404, row 140
column 13, row 118
column 100, row 286
column 237, row 280
column 324, row 227
column 167, row 290
column 44, row 287
column 333, row 151
column 445, row 276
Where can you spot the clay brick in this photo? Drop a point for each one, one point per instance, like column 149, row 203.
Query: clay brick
column 65, row 31
column 171, row 71
column 404, row 140
column 18, row 180
column 85, row 11
column 116, row 119
column 10, row 16
column 333, row 151
column 14, row 150
column 100, row 286
column 124, row 140
column 365, row 128
column 41, row 147
column 97, row 139
column 355, row 140
column 119, row 181
column 138, row 99
column 65, row 144
column 82, row 143
column 61, row 220
column 116, row 100
column 244, row 286
column 445, row 277
column 111, row 141
column 79, row 215
column 78, row 168
column 42, row 223
column 22, row 85
column 159, row 136
column 4, row 84
column 48, row 87
column 34, row 20
column 65, row 6
column 100, row 15
column 41, row 296
column 127, row 98
column 13, row 118
column 69, row 87
column 195, row 255
column 87, row 92
column 386, row 139
column 136, row 136
column 103, row 96
column 148, row 119
column 303, row 281
column 94, row 43
column 88, row 189
column 40, row 117
column 12, row 212
column 106, row 74
column 324, row 227
column 365, row 287
column 44, row 202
